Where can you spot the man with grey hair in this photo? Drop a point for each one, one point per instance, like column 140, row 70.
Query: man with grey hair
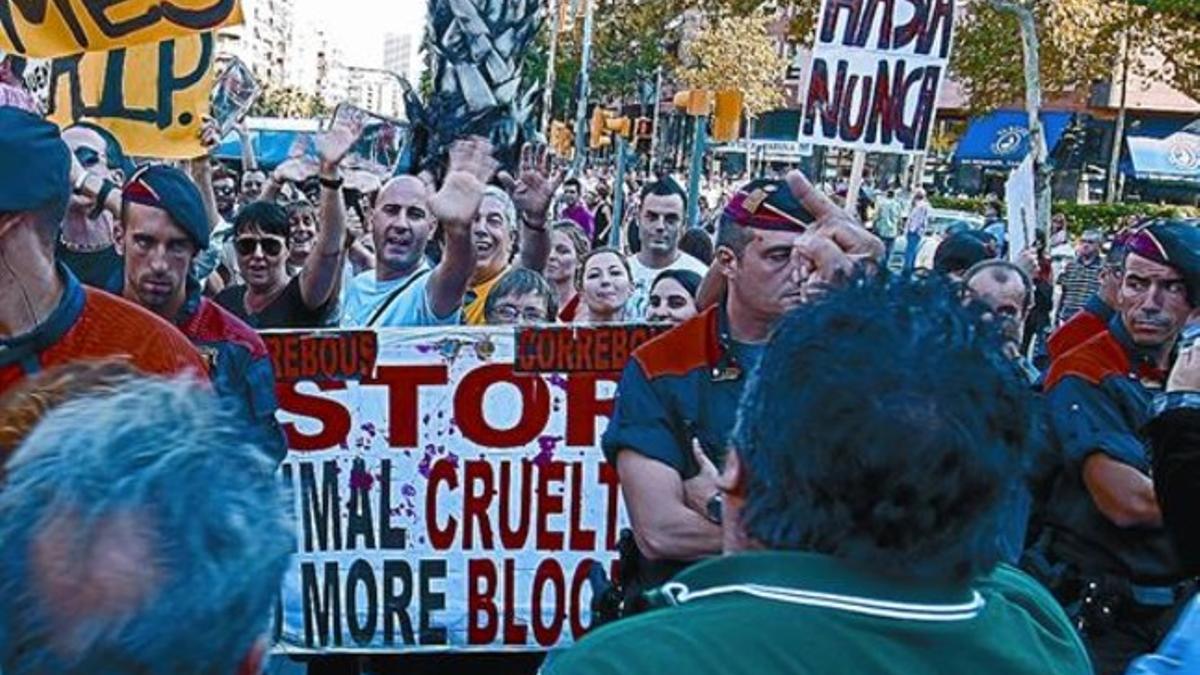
column 117, row 561
column 494, row 230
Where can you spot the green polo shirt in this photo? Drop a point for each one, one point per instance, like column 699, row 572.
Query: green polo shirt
column 788, row 612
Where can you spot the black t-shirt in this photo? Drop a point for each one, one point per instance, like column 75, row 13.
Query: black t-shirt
column 286, row 311
column 102, row 269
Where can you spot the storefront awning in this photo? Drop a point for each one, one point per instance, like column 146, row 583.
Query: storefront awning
column 273, row 140
column 1174, row 159
column 1001, row 138
column 270, row 147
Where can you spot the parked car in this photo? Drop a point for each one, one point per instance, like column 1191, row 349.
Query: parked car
column 942, row 223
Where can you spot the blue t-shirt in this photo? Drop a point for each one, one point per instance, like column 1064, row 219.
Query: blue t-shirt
column 363, row 297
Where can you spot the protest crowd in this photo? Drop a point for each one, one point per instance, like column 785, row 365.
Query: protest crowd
column 834, row 457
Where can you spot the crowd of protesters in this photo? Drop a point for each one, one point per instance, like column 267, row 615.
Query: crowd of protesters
column 829, row 463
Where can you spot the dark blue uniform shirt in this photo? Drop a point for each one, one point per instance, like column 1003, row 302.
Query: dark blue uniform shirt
column 682, row 384
column 1100, row 396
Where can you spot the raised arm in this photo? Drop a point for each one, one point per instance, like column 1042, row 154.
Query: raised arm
column 454, row 206
column 532, row 193
column 201, row 171
column 322, row 273
column 249, row 161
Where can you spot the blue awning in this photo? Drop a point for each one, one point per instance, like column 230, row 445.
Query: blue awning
column 1001, row 138
column 1174, row 159
column 1155, row 127
column 271, row 147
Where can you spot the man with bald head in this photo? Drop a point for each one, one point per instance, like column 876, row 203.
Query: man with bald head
column 403, row 289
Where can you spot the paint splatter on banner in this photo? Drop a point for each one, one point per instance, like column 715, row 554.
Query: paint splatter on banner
column 442, row 500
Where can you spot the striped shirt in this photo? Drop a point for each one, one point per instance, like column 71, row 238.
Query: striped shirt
column 1079, row 281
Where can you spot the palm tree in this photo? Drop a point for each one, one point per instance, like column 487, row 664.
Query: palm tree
column 476, row 50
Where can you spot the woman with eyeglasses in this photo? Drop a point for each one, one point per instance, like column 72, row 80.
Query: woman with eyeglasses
column 605, row 286
column 521, row 297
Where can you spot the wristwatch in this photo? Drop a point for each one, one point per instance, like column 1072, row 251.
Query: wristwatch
column 714, row 507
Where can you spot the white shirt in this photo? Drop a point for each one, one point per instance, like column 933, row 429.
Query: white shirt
column 365, row 294
column 919, row 218
column 644, row 276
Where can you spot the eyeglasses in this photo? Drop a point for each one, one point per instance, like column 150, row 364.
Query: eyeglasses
column 224, row 191
column 87, row 157
column 271, row 246
column 513, row 313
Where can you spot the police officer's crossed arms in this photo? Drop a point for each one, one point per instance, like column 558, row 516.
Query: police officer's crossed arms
column 1104, row 551
column 779, row 244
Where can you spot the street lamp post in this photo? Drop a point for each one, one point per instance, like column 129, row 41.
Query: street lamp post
column 658, row 77
column 548, row 95
column 584, row 87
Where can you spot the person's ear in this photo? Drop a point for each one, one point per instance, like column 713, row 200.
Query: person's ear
column 118, row 177
column 727, row 261
column 118, row 233
column 8, row 221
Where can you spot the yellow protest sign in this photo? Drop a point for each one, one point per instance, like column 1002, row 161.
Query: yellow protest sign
column 151, row 97
column 46, row 28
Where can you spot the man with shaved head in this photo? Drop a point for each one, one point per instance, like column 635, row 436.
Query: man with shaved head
column 403, row 289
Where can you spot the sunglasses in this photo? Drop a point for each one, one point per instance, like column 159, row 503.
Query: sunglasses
column 87, row 157
column 271, row 247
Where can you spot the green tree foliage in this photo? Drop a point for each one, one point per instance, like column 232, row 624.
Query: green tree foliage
column 738, row 53
column 1080, row 46
column 631, row 40
column 276, row 101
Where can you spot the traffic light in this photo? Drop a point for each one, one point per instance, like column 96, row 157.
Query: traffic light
column 598, row 138
column 561, row 139
column 643, row 128
column 694, row 102
column 622, row 126
column 727, row 117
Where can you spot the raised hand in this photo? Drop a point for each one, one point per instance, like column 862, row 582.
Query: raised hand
column 333, row 145
column 471, row 167
column 210, row 134
column 534, row 188
column 835, row 243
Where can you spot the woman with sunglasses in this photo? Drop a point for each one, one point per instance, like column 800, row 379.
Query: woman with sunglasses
column 270, row 298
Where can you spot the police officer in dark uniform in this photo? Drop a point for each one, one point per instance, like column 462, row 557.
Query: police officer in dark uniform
column 678, row 395
column 1104, row 551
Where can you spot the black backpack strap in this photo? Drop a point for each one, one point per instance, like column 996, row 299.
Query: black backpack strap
column 393, row 295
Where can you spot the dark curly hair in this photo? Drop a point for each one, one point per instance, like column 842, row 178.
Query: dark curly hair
column 891, row 433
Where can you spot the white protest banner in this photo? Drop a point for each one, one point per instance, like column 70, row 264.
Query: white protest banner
column 444, row 498
column 876, row 71
column 1021, row 208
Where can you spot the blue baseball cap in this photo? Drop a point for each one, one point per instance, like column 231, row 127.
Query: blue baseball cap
column 35, row 165
column 171, row 190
